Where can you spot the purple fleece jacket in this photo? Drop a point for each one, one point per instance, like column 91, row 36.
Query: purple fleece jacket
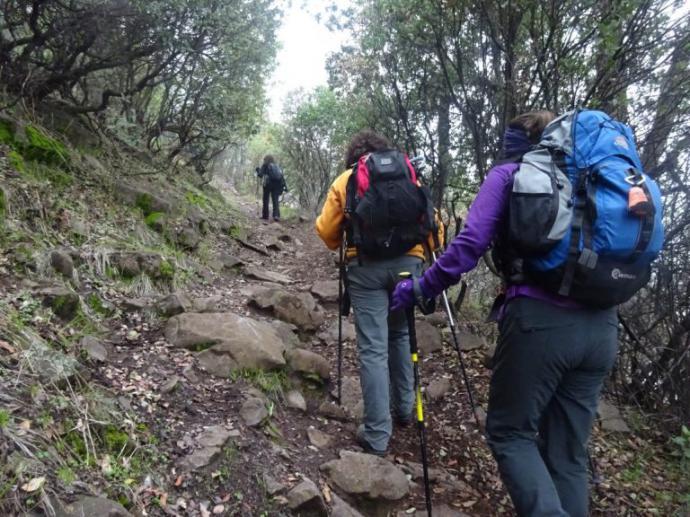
column 484, row 219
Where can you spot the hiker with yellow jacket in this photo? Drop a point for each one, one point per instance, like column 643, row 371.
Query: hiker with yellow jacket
column 389, row 223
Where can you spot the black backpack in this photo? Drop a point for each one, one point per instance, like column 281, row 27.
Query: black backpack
column 275, row 173
column 388, row 213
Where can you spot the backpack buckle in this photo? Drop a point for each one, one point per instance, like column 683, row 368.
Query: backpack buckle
column 635, row 179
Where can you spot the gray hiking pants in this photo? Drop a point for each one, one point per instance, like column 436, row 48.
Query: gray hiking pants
column 549, row 366
column 383, row 343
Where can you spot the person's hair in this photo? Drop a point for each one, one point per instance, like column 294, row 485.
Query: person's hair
column 533, row 123
column 365, row 141
column 269, row 159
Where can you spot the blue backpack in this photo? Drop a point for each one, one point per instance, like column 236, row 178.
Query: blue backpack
column 584, row 218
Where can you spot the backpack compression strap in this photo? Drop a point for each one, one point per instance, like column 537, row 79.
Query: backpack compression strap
column 353, row 229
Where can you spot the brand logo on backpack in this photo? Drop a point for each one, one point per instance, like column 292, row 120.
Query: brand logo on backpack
column 388, row 211
column 621, row 141
column 617, row 274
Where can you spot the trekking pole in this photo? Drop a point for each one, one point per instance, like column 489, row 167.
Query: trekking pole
column 409, row 313
column 340, row 321
column 456, row 345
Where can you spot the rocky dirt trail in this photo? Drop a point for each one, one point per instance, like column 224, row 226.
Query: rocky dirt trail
column 237, row 388
column 222, row 393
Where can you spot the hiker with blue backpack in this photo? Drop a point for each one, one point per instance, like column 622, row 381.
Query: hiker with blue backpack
column 274, row 185
column 574, row 223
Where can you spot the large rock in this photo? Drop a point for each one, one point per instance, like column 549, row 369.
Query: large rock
column 287, row 332
column 367, row 477
column 253, row 411
column 342, row 509
column 438, row 388
column 318, row 438
column 228, row 261
column 51, row 365
column 133, row 263
column 232, row 342
column 267, row 276
column 428, row 337
column 63, row 302
column 93, row 348
column 326, row 290
column 352, row 400
column 62, row 263
column 173, row 304
column 142, row 198
column 211, row 442
column 88, row 506
column 330, row 335
column 309, row 363
column 305, row 500
column 300, row 309
column 188, row 238
column 177, row 303
column 469, row 341
column 611, row 418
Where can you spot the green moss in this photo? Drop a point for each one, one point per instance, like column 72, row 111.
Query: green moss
column 166, row 271
column 3, row 206
column 145, row 202
column 114, row 440
column 96, row 305
column 16, row 161
column 40, row 147
column 238, row 232
column 6, row 133
column 274, row 383
column 153, row 219
column 51, row 173
column 200, row 347
column 75, row 443
column 66, row 475
column 197, row 199
column 4, row 418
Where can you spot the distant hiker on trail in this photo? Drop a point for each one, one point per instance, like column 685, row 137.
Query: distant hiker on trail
column 557, row 316
column 392, row 242
column 274, row 186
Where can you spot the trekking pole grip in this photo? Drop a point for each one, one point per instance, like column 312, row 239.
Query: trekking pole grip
column 409, row 313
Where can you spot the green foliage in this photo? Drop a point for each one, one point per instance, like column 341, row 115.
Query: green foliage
column 66, row 475
column 166, row 271
column 153, row 218
column 3, row 206
column 44, row 149
column 95, row 303
column 273, row 383
column 44, row 172
column 237, row 232
column 196, row 199
column 682, row 451
column 4, row 418
column 16, row 161
column 115, row 441
column 144, row 202
column 6, row 132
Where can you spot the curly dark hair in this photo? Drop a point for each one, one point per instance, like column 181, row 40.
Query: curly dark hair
column 269, row 159
column 365, row 141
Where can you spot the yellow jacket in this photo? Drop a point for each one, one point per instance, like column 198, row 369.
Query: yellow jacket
column 330, row 223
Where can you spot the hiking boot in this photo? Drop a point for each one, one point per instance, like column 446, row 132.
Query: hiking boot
column 403, row 421
column 364, row 444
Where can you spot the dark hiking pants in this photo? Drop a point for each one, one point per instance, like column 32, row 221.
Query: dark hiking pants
column 384, row 345
column 549, row 366
column 272, row 192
